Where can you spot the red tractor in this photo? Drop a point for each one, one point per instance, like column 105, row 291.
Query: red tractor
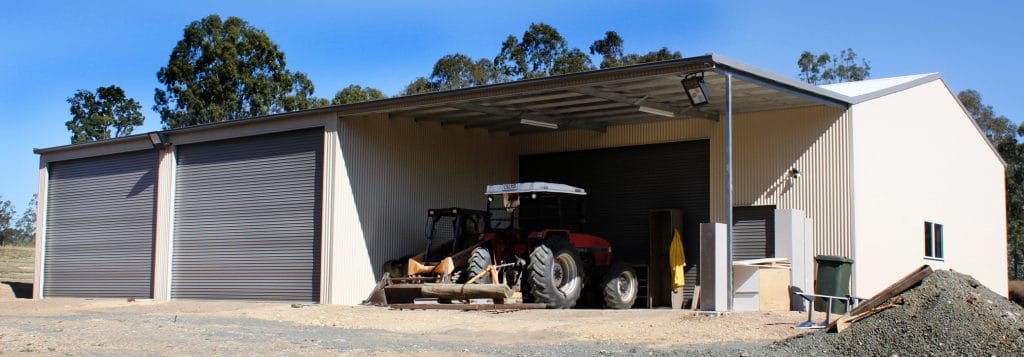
column 533, row 238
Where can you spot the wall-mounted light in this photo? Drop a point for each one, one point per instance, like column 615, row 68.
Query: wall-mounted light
column 794, row 173
column 537, row 123
column 159, row 140
column 696, row 90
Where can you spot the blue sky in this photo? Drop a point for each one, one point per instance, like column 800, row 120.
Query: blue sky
column 50, row 49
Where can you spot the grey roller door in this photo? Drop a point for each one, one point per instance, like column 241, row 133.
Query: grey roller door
column 99, row 226
column 753, row 232
column 624, row 184
column 247, row 218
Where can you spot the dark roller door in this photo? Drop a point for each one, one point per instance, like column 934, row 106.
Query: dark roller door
column 247, row 218
column 753, row 232
column 625, row 184
column 99, row 226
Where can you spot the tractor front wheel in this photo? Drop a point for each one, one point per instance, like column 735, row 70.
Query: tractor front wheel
column 479, row 259
column 555, row 273
column 620, row 286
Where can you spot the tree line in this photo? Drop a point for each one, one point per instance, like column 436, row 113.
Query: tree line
column 20, row 231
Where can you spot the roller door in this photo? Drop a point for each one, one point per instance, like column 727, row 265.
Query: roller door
column 753, row 232
column 99, row 226
column 247, row 218
column 624, row 184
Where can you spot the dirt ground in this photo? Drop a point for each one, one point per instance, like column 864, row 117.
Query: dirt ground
column 117, row 327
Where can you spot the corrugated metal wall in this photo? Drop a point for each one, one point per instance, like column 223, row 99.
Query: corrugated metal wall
column 247, row 218
column 816, row 140
column 399, row 169
column 99, row 226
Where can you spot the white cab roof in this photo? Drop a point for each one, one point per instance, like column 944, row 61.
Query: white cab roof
column 531, row 187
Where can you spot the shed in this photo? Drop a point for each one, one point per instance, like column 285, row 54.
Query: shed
column 308, row 205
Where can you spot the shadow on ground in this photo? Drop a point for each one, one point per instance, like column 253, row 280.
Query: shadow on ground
column 20, row 290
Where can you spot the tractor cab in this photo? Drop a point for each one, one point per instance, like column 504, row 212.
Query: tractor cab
column 535, row 206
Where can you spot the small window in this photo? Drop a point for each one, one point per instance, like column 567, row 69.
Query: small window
column 933, row 240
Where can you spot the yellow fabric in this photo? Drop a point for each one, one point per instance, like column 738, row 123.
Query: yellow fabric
column 677, row 261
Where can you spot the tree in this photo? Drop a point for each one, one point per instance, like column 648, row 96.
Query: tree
column 571, row 62
column 457, row 70
column 7, row 232
column 826, row 69
column 610, row 48
column 541, row 53
column 355, row 93
column 227, row 70
column 998, row 128
column 26, row 225
column 419, row 85
column 301, row 97
column 94, row 115
column 613, row 53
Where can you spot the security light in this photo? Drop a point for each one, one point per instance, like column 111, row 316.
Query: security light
column 159, row 140
column 794, row 173
column 696, row 90
column 537, row 123
column 654, row 111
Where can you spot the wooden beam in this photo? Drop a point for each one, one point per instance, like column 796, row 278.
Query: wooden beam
column 882, row 297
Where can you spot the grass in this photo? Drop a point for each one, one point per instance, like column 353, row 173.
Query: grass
column 17, row 263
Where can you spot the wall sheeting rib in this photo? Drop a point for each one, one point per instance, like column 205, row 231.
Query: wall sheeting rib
column 99, row 228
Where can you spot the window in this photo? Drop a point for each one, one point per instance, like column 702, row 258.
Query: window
column 933, row 240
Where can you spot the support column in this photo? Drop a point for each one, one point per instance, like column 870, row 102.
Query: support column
column 42, row 198
column 164, row 235
column 346, row 274
column 728, row 182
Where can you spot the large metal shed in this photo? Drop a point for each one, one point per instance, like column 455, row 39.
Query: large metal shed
column 307, row 205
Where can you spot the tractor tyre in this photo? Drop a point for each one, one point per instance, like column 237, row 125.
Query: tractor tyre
column 620, row 286
column 479, row 259
column 555, row 273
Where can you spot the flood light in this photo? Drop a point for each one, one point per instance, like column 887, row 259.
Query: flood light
column 159, row 140
column 696, row 90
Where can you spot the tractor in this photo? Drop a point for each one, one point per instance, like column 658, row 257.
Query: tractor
column 534, row 237
column 530, row 243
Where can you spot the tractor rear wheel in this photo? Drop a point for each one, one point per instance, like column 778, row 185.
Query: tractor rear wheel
column 479, row 259
column 555, row 273
column 620, row 286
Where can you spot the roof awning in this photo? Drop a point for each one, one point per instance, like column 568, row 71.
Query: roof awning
column 598, row 99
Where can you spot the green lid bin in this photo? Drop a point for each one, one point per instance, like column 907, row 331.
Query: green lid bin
column 833, row 278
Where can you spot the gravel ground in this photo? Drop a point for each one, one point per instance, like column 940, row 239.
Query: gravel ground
column 948, row 314
column 109, row 327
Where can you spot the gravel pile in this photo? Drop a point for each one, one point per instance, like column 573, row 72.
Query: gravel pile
column 948, row 314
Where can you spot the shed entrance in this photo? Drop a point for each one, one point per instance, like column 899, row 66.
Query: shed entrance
column 247, row 218
column 99, row 226
column 625, row 184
